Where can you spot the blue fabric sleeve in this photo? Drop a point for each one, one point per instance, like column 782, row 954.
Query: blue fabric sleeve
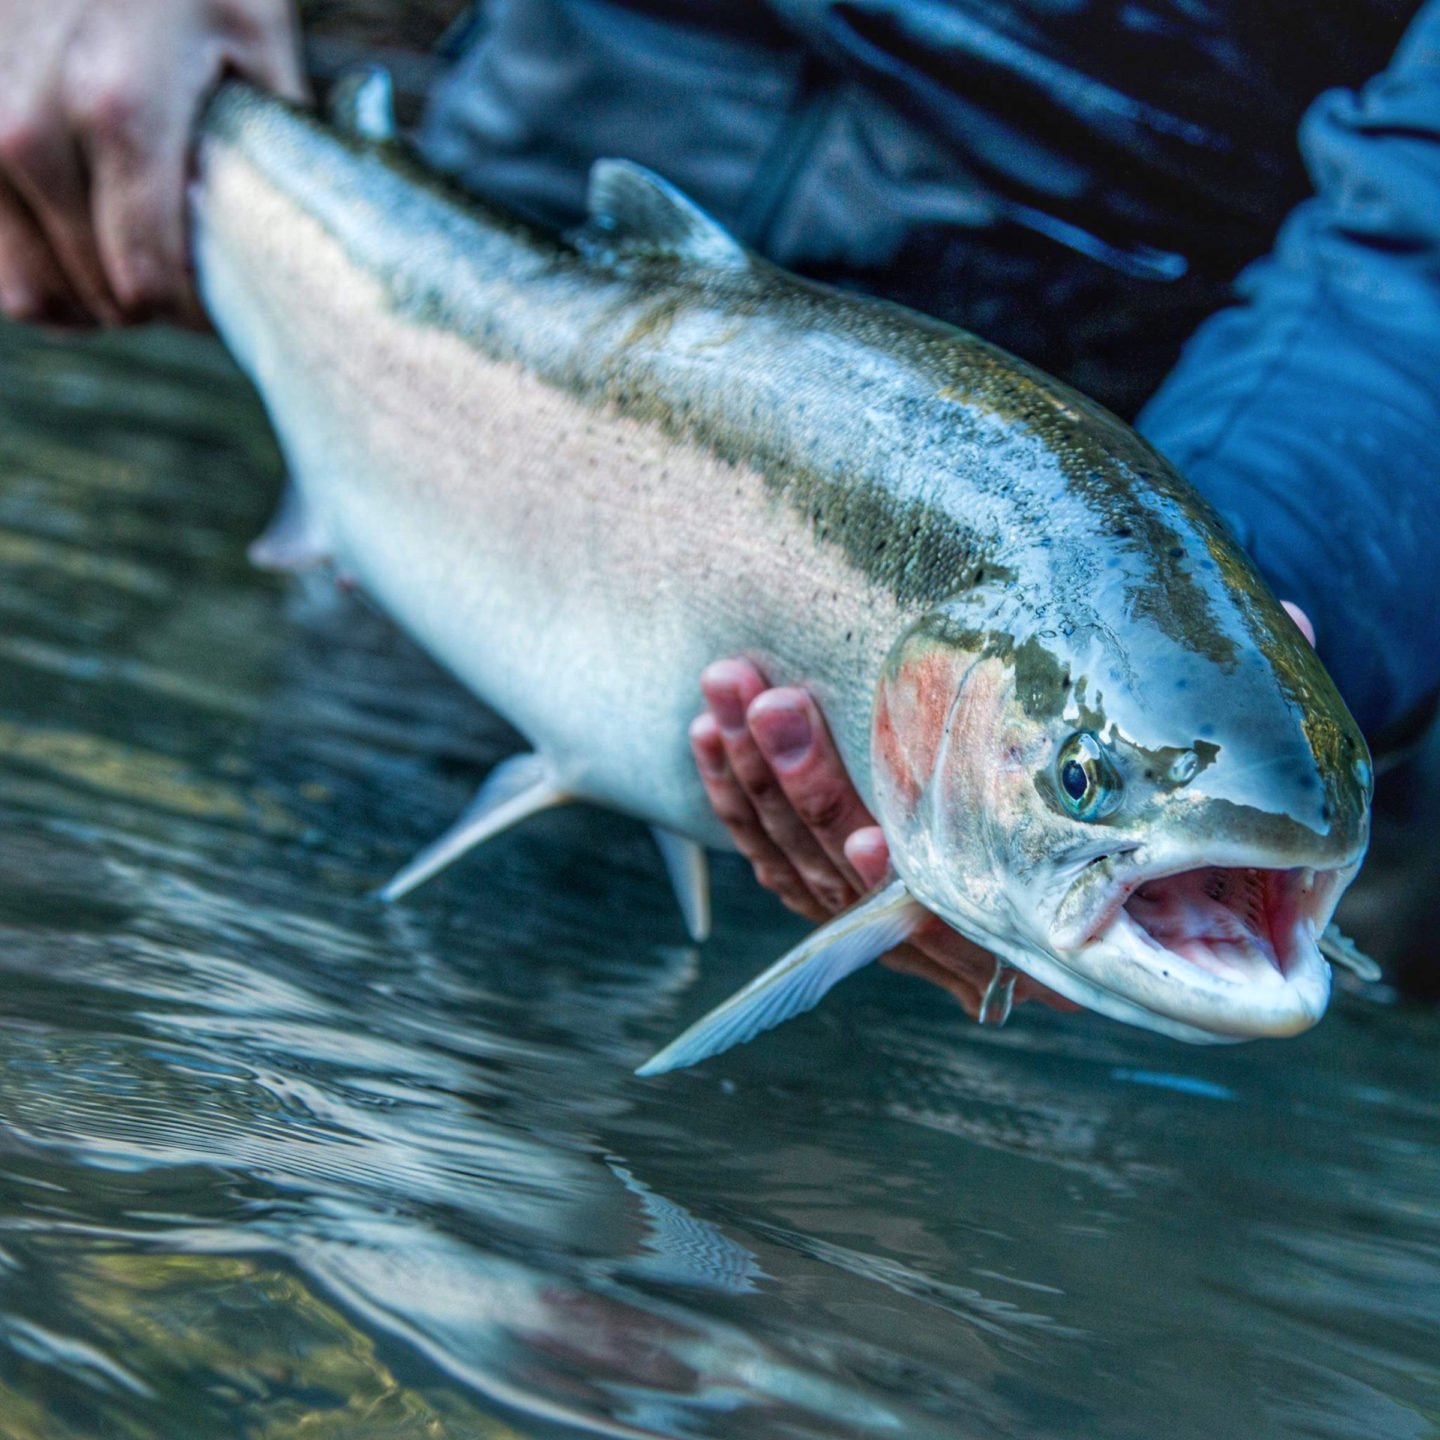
column 1309, row 412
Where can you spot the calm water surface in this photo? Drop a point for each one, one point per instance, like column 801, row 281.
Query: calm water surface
column 276, row 1162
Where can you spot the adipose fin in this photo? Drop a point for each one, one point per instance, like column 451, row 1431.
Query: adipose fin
column 362, row 105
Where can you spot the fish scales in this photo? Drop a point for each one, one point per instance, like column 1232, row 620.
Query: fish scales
column 736, row 502
column 579, row 472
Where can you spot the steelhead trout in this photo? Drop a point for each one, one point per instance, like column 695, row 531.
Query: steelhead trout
column 579, row 469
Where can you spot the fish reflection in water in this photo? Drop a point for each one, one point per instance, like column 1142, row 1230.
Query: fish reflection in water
column 279, row 1162
column 229, row 1073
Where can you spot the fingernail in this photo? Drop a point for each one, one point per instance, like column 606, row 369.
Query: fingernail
column 1301, row 619
column 867, row 851
column 21, row 304
column 782, row 730
column 728, row 709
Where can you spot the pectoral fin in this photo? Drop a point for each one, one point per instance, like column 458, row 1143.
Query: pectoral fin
column 796, row 982
column 690, row 875
column 1338, row 949
column 515, row 790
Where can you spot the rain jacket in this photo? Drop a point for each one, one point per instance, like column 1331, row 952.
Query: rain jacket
column 1082, row 182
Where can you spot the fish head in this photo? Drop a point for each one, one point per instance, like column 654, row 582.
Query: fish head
column 1154, row 821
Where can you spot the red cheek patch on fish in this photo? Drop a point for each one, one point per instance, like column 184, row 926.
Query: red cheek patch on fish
column 911, row 714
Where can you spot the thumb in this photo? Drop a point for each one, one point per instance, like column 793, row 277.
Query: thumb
column 1301, row 619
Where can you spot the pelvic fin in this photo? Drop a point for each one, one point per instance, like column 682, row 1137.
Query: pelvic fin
column 513, row 791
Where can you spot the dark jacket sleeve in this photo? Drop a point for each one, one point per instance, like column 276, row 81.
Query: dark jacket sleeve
column 1309, row 412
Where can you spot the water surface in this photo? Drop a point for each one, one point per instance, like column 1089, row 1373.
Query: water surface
column 278, row 1162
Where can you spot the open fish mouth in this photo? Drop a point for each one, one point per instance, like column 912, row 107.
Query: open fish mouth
column 1204, row 952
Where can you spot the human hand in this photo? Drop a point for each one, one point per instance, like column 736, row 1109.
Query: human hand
column 1301, row 619
column 773, row 774
column 98, row 105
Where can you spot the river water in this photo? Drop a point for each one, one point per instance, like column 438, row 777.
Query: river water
column 277, row 1162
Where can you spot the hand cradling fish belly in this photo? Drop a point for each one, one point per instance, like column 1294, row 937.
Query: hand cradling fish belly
column 578, row 470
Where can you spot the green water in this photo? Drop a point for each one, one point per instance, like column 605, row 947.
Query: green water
column 280, row 1164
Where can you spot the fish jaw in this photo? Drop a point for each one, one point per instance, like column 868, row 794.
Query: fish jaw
column 1223, row 948
column 1190, row 915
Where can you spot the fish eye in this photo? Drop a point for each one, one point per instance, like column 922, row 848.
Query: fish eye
column 1090, row 786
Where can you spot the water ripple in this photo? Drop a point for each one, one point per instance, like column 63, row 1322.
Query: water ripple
column 277, row 1160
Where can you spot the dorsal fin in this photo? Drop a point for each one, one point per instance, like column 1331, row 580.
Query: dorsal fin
column 362, row 105
column 635, row 215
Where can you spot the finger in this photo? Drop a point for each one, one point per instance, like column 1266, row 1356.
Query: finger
column 1300, row 618
column 869, row 856
column 44, row 165
column 266, row 50
column 791, row 734
column 946, row 958
column 139, row 162
column 937, row 952
column 954, row 953
column 730, row 687
column 908, row 960
column 732, row 806
column 33, row 288
column 1027, row 988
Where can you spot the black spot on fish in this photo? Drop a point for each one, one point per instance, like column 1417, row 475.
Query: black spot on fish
column 1041, row 680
